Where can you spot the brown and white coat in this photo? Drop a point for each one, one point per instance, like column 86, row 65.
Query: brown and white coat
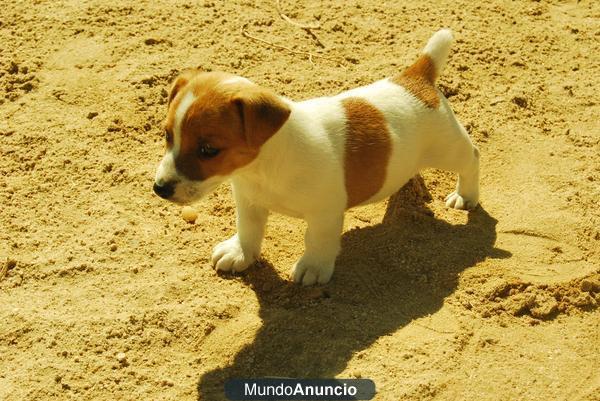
column 312, row 159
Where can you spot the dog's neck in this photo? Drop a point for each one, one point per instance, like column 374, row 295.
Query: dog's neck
column 280, row 156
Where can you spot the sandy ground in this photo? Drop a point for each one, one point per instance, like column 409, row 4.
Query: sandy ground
column 106, row 293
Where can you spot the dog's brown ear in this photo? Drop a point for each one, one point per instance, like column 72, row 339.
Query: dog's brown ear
column 182, row 79
column 262, row 113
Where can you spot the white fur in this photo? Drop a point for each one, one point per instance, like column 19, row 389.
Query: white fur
column 300, row 170
column 438, row 48
column 182, row 109
column 167, row 172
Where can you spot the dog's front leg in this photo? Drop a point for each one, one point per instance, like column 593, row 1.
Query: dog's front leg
column 322, row 241
column 240, row 251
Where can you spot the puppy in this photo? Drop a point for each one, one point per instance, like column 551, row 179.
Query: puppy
column 312, row 159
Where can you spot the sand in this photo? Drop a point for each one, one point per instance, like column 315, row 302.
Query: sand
column 107, row 293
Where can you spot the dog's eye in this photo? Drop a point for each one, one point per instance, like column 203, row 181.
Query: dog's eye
column 168, row 136
column 207, row 152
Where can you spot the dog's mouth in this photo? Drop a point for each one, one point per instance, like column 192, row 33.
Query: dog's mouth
column 185, row 193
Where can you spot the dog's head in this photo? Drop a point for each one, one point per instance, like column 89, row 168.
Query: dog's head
column 215, row 125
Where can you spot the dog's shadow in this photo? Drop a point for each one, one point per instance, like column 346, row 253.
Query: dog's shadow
column 386, row 276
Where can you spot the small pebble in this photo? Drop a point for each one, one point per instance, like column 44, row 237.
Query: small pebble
column 189, row 214
column 520, row 101
column 122, row 358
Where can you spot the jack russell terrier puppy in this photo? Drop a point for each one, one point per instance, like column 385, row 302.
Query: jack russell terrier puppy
column 312, row 159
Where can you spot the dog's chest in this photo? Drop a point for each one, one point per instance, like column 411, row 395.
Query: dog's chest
column 270, row 198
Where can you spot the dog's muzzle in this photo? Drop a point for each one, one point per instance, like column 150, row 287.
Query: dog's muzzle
column 165, row 190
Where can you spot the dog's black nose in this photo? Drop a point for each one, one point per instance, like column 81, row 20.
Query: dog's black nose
column 164, row 191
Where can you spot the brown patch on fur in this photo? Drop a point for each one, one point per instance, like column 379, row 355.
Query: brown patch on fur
column 367, row 150
column 419, row 79
column 237, row 118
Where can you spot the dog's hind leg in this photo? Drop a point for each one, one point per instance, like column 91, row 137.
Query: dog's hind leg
column 454, row 151
column 465, row 161
column 466, row 195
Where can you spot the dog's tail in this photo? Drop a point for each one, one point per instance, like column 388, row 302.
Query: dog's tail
column 437, row 49
column 433, row 58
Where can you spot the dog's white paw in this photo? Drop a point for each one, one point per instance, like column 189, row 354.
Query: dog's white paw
column 310, row 273
column 229, row 256
column 456, row 201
